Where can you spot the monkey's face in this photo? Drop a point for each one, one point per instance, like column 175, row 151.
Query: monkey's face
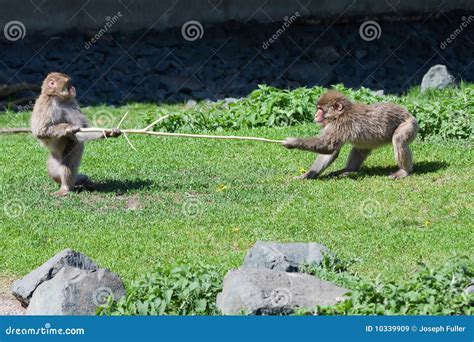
column 326, row 113
column 59, row 85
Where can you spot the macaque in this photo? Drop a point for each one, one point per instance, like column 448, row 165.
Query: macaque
column 56, row 121
column 365, row 127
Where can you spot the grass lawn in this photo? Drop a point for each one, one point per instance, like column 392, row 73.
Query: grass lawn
column 201, row 200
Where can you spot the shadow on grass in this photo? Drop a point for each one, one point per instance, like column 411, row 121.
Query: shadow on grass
column 419, row 168
column 122, row 186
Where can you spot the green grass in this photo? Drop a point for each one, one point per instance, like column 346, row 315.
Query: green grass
column 190, row 200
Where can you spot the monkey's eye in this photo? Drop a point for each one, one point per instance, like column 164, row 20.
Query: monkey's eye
column 52, row 83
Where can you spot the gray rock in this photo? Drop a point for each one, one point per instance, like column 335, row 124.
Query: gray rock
column 437, row 77
column 379, row 92
column 75, row 291
column 230, row 100
column 268, row 292
column 191, row 103
column 286, row 257
column 470, row 288
column 23, row 288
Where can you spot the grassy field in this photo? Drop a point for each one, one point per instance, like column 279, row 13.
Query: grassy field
column 198, row 200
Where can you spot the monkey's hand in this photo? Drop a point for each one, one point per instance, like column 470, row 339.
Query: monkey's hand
column 71, row 130
column 113, row 133
column 291, row 143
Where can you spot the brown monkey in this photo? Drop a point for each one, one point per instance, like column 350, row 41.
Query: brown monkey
column 56, row 121
column 365, row 127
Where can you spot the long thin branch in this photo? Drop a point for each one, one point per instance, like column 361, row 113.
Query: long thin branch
column 183, row 135
column 147, row 131
column 15, row 130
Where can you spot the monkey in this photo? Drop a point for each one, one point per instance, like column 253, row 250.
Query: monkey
column 364, row 127
column 56, row 121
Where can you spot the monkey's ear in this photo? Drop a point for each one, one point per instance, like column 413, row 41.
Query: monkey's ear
column 339, row 106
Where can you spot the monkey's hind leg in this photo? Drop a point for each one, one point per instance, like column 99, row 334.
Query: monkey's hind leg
column 71, row 159
column 356, row 158
column 403, row 136
column 53, row 167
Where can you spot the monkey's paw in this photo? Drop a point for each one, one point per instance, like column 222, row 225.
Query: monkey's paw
column 306, row 175
column 61, row 193
column 114, row 132
column 73, row 130
column 290, row 142
column 399, row 174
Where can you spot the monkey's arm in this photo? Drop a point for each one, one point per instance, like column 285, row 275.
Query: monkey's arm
column 89, row 136
column 323, row 144
column 55, row 131
column 321, row 163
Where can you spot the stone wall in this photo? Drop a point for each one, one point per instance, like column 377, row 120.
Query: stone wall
column 59, row 15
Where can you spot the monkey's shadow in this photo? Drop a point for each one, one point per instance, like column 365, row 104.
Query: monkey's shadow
column 120, row 187
column 419, row 168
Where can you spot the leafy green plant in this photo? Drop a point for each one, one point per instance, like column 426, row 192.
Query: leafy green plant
column 430, row 291
column 181, row 290
column 446, row 113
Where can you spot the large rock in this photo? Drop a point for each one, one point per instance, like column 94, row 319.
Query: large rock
column 267, row 292
column 75, row 291
column 23, row 288
column 286, row 257
column 437, row 77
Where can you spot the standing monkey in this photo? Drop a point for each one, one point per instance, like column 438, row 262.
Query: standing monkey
column 365, row 127
column 56, row 121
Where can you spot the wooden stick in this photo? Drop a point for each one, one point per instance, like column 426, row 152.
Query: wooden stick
column 155, row 122
column 123, row 118
column 183, row 135
column 15, row 130
column 147, row 131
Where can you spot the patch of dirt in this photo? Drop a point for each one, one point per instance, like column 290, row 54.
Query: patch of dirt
column 9, row 305
column 133, row 203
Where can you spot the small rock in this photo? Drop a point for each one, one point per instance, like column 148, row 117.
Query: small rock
column 230, row 100
column 23, row 288
column 437, row 77
column 268, row 292
column 191, row 103
column 286, row 257
column 74, row 291
column 470, row 288
column 379, row 92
